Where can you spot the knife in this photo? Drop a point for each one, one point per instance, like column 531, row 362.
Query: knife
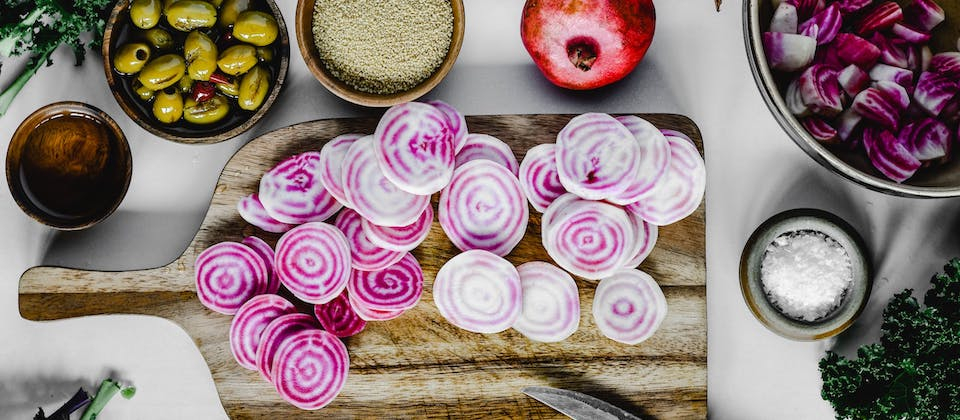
column 577, row 405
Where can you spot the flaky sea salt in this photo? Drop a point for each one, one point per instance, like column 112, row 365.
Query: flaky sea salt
column 805, row 274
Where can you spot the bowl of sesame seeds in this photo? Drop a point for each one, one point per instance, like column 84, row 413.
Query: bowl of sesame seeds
column 379, row 53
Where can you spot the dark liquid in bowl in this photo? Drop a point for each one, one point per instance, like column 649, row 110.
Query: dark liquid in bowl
column 70, row 168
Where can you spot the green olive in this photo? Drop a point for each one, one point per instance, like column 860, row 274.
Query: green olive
column 231, row 9
column 201, row 55
column 143, row 93
column 187, row 15
column 265, row 53
column 168, row 107
column 162, row 71
column 256, row 28
column 237, row 59
column 145, row 14
column 185, row 84
column 206, row 112
column 254, row 87
column 167, row 4
column 131, row 58
column 159, row 38
column 231, row 89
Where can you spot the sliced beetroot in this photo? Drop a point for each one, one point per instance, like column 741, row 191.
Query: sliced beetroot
column 292, row 193
column 313, row 262
column 310, row 369
column 456, row 122
column 364, row 255
column 629, row 306
column 646, row 238
column 889, row 155
column 590, row 239
column 947, row 64
column 680, row 190
column 821, row 130
column 795, row 101
column 894, row 51
column 414, row 147
column 882, row 16
column 553, row 210
column 401, row 238
column 654, row 159
column 828, row 22
column 785, row 18
column 910, row 34
column 551, row 303
column 927, row 139
column 252, row 211
column 852, row 49
column 883, row 72
column 368, row 314
column 820, row 90
column 538, row 176
column 853, row 80
column 925, row 14
column 483, row 208
column 248, row 325
column 883, row 104
column 372, row 195
column 935, row 91
column 483, row 146
column 273, row 335
column 851, row 6
column 478, row 291
column 228, row 274
column 789, row 52
column 338, row 317
column 847, row 123
column 597, row 157
column 395, row 288
column 266, row 252
column 332, row 156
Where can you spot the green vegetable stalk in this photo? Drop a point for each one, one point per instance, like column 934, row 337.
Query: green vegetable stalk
column 914, row 371
column 38, row 27
column 108, row 388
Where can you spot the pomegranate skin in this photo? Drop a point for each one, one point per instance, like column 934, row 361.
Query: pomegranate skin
column 586, row 44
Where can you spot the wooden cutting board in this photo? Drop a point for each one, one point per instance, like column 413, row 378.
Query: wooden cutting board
column 418, row 365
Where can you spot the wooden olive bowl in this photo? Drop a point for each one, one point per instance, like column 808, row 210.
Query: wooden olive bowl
column 304, row 28
column 934, row 182
column 107, row 165
column 239, row 121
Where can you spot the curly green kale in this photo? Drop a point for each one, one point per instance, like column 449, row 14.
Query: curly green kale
column 914, row 371
column 37, row 27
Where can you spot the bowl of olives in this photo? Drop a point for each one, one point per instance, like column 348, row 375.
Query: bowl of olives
column 196, row 71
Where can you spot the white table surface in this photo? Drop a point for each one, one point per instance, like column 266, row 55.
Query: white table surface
column 697, row 66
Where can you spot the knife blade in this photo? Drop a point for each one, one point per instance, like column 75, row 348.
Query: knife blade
column 577, row 405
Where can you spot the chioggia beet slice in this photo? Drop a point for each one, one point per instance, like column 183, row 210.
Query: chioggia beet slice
column 456, row 122
column 394, row 288
column 654, row 159
column 483, row 146
column 228, row 274
column 368, row 314
column 551, row 303
column 252, row 211
column 538, row 176
column 313, row 262
column 680, row 191
column 597, row 157
column 415, row 147
column 292, row 193
column 332, row 156
column 265, row 252
column 401, row 238
column 591, row 239
column 478, row 291
column 629, row 306
column 364, row 255
column 310, row 369
column 278, row 330
column 339, row 318
column 249, row 323
column 374, row 196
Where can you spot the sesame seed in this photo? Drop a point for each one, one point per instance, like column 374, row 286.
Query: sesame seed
column 382, row 46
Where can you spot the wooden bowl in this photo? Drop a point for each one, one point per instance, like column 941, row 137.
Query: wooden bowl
column 935, row 182
column 304, row 28
column 117, row 32
column 97, row 172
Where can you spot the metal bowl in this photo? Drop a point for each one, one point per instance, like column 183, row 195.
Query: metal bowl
column 805, row 220
column 936, row 182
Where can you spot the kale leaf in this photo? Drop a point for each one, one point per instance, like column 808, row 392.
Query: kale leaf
column 914, row 371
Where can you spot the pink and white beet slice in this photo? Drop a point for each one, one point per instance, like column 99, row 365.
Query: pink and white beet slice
column 478, row 291
column 374, row 196
column 292, row 193
column 551, row 303
column 272, row 337
column 266, row 252
column 248, row 325
column 332, row 156
column 654, row 159
column 538, row 176
column 415, row 148
column 313, row 262
column 364, row 255
column 629, row 306
column 484, row 146
column 597, row 157
column 252, row 211
column 310, row 369
column 227, row 275
column 401, row 238
column 680, row 191
column 339, row 318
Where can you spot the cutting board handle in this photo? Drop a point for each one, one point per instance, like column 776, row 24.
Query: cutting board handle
column 48, row 293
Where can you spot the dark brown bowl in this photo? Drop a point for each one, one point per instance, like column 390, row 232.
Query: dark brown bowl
column 106, row 180
column 304, row 29
column 935, row 182
column 117, row 32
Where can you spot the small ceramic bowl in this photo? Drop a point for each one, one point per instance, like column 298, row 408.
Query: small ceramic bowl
column 119, row 30
column 853, row 301
column 95, row 170
column 311, row 56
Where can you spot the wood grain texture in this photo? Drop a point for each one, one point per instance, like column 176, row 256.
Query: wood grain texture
column 419, row 365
